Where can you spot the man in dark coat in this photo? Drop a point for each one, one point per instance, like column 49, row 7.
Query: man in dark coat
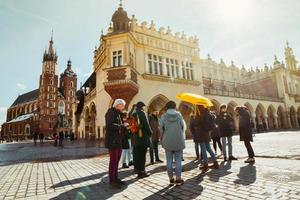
column 225, row 123
column 203, row 138
column 154, row 125
column 215, row 134
column 245, row 131
column 141, row 140
column 113, row 141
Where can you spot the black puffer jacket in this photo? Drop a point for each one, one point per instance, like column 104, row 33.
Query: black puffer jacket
column 245, row 128
column 225, row 123
column 113, row 139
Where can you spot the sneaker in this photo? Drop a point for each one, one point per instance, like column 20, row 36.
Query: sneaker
column 114, row 186
column 120, row 182
column 250, row 160
column 172, row 182
column 125, row 166
column 179, row 182
column 159, row 161
column 232, row 158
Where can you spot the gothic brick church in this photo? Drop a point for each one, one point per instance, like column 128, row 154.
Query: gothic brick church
column 47, row 109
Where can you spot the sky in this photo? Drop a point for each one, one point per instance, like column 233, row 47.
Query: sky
column 248, row 32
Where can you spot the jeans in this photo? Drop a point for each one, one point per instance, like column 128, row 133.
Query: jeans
column 154, row 148
column 205, row 147
column 114, row 158
column 139, row 158
column 126, row 154
column 249, row 149
column 170, row 156
column 229, row 140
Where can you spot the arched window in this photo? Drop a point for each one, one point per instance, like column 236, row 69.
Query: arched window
column 51, row 82
column 72, row 84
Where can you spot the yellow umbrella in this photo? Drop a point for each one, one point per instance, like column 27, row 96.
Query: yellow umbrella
column 194, row 99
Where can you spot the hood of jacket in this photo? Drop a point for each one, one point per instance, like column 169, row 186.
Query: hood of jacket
column 172, row 115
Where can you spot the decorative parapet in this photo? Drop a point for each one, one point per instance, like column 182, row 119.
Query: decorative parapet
column 170, row 79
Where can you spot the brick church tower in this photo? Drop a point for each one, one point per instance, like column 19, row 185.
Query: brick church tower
column 48, row 94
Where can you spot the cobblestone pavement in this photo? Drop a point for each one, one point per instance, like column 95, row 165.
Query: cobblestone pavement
column 275, row 175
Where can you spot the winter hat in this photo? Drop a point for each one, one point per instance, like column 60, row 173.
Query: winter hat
column 118, row 102
column 140, row 105
column 223, row 106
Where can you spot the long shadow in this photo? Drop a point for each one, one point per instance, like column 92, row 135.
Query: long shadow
column 246, row 175
column 215, row 175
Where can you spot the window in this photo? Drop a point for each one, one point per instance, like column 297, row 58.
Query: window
column 117, row 58
column 51, row 82
column 71, row 93
column 61, row 107
column 72, row 84
column 155, row 65
column 160, row 65
column 150, row 67
column 183, row 69
column 192, row 71
column 177, row 69
column 168, row 66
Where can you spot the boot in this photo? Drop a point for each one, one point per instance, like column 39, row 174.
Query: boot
column 172, row 181
column 204, row 169
column 179, row 181
column 215, row 165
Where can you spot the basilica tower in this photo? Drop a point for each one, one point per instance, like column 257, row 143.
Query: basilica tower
column 48, row 91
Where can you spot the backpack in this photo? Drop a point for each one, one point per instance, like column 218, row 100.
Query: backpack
column 133, row 125
column 209, row 122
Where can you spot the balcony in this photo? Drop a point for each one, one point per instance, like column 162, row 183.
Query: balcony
column 121, row 82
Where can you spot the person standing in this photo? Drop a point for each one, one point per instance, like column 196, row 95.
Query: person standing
column 126, row 143
column 154, row 124
column 225, row 123
column 141, row 140
column 61, row 138
column 245, row 131
column 41, row 137
column 215, row 135
column 172, row 127
column 204, row 124
column 192, row 127
column 113, row 141
column 35, row 138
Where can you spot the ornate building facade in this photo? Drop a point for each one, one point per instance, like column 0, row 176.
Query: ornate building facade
column 138, row 62
column 40, row 111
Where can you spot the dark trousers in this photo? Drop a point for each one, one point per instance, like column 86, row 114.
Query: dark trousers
column 249, row 149
column 154, row 148
column 197, row 149
column 114, row 158
column 139, row 158
column 215, row 142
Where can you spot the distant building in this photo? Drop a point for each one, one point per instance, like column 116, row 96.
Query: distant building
column 47, row 108
column 138, row 62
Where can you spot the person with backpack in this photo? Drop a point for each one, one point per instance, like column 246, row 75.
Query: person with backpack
column 172, row 127
column 113, row 141
column 245, row 131
column 141, row 140
column 204, row 125
column 225, row 124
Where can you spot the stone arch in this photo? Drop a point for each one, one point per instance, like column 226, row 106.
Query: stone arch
column 281, row 119
column 87, row 122
column 250, row 108
column 261, row 121
column 293, row 117
column 230, row 109
column 272, row 121
column 186, row 110
column 158, row 103
column 216, row 105
column 92, row 122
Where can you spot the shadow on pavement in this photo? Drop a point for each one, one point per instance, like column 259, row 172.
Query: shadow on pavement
column 246, row 175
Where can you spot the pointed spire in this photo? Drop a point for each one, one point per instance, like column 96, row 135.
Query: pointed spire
column 69, row 64
column 120, row 4
column 287, row 44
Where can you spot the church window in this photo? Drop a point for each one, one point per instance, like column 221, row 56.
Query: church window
column 61, row 107
column 51, row 82
column 71, row 83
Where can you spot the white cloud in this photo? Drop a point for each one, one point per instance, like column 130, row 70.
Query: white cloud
column 21, row 86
